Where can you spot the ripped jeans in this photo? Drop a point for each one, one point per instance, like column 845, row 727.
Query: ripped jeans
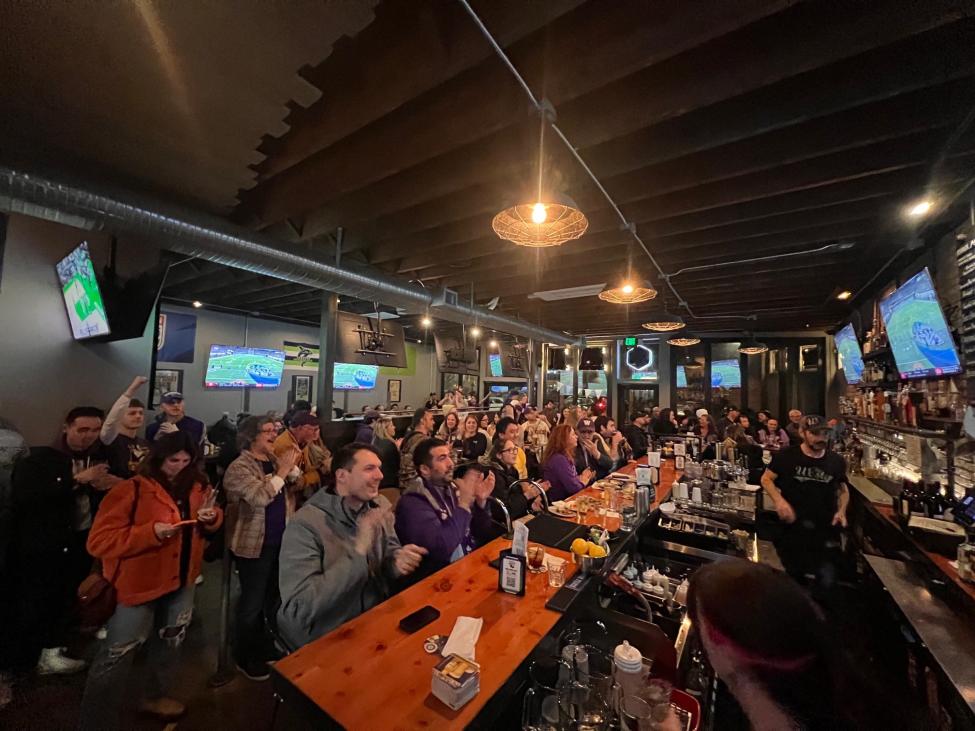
column 128, row 629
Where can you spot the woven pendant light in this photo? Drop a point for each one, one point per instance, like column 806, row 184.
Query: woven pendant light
column 684, row 342
column 551, row 220
column 629, row 292
column 752, row 347
column 666, row 323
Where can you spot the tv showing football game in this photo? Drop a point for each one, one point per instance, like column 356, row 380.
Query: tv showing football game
column 354, row 377
column 82, row 296
column 235, row 366
column 725, row 374
column 494, row 361
column 851, row 357
column 681, row 377
column 919, row 337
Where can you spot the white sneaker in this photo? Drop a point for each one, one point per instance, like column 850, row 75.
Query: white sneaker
column 102, row 633
column 199, row 580
column 53, row 661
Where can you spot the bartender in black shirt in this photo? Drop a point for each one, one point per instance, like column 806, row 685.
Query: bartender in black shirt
column 807, row 486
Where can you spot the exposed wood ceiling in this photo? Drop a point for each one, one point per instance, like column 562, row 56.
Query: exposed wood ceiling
column 725, row 132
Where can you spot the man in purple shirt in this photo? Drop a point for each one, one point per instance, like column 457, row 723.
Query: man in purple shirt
column 772, row 437
column 440, row 514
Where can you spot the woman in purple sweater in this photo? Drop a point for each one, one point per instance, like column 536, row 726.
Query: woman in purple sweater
column 558, row 466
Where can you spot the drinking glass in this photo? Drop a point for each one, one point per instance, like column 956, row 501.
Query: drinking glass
column 540, row 710
column 556, row 574
column 536, row 559
column 628, row 522
column 581, row 708
column 635, row 714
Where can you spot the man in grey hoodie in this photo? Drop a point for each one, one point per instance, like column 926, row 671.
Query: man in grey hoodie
column 340, row 551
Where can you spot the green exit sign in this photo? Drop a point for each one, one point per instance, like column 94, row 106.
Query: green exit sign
column 629, row 341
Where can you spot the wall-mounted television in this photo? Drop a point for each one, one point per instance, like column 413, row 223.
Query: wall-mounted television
column 918, row 333
column 236, row 366
column 725, row 373
column 354, row 377
column 851, row 357
column 494, row 361
column 82, row 295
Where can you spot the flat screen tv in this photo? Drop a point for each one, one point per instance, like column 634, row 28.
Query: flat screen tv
column 681, row 377
column 82, row 295
column 236, row 366
column 919, row 337
column 725, row 374
column 354, row 377
column 494, row 361
column 851, row 357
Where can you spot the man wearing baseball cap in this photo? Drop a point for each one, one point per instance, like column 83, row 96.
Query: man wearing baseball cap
column 174, row 418
column 807, row 486
column 588, row 454
column 636, row 433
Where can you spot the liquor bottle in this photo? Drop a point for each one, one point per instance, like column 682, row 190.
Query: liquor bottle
column 696, row 682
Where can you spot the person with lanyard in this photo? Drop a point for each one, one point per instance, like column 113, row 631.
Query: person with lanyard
column 443, row 515
column 261, row 495
column 807, row 486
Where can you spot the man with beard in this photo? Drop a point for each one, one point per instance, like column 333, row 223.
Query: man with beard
column 807, row 487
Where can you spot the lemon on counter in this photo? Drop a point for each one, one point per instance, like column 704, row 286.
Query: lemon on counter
column 579, row 546
column 596, row 551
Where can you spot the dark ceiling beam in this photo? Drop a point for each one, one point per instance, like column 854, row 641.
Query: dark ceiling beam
column 440, row 42
column 584, row 253
column 485, row 99
column 913, row 149
column 871, row 77
column 855, row 128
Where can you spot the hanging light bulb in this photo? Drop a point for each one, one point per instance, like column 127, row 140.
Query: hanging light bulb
column 684, row 342
column 550, row 221
column 752, row 347
column 475, row 332
column 666, row 323
column 426, row 322
column 629, row 292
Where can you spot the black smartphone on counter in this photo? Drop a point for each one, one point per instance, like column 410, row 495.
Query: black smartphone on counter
column 420, row 618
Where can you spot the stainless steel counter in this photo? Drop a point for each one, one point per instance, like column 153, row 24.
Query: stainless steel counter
column 948, row 636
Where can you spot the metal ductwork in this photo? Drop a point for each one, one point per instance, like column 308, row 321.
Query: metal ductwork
column 215, row 239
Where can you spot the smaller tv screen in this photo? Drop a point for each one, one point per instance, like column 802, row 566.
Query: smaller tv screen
column 354, row 377
column 681, row 377
column 236, row 366
column 494, row 361
column 499, row 389
column 725, row 374
column 851, row 357
column 82, row 296
column 919, row 337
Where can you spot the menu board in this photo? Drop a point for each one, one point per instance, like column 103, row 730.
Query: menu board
column 919, row 337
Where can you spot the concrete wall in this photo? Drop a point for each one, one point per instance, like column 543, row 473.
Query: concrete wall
column 230, row 329
column 43, row 370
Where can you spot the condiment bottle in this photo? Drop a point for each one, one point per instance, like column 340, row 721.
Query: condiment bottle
column 628, row 669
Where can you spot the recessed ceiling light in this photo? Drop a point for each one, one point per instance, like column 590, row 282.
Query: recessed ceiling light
column 919, row 209
column 426, row 322
column 844, row 295
column 475, row 332
column 493, row 343
column 197, row 304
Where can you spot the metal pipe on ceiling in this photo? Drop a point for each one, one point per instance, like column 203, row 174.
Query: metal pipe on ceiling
column 214, row 239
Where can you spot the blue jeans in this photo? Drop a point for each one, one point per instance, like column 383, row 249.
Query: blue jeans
column 128, row 629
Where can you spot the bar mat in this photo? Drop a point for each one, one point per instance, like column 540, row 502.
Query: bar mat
column 554, row 532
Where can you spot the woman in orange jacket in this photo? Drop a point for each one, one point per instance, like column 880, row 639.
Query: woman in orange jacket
column 149, row 534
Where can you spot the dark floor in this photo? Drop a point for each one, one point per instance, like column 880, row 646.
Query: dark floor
column 51, row 703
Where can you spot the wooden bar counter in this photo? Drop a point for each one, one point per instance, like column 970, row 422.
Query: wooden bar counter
column 369, row 674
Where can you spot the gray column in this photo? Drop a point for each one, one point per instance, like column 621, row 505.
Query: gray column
column 326, row 358
column 543, row 376
column 530, row 357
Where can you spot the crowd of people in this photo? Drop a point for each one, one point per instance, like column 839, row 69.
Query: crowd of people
column 316, row 538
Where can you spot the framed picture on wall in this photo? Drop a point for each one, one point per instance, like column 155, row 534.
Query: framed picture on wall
column 301, row 388
column 166, row 380
column 394, row 388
